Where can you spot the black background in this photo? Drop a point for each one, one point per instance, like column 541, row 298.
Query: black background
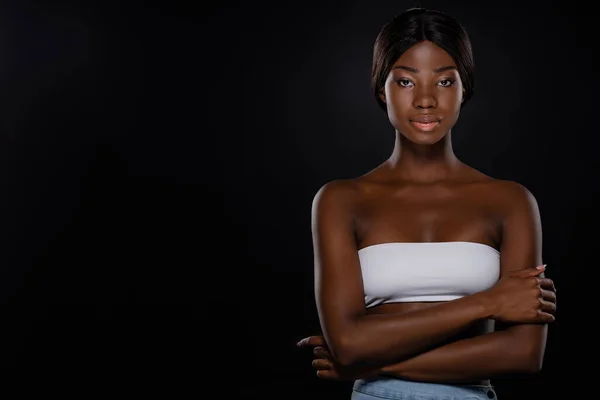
column 159, row 161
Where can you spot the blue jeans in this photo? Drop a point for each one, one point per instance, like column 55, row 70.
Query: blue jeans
column 398, row 389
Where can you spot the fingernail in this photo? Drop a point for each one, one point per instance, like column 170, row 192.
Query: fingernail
column 541, row 266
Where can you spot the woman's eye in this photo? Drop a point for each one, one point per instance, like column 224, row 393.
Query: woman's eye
column 446, row 82
column 404, row 82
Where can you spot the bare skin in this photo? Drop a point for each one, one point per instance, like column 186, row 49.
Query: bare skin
column 424, row 193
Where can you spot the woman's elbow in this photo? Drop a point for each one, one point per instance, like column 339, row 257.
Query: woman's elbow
column 531, row 359
column 346, row 350
column 535, row 360
column 529, row 346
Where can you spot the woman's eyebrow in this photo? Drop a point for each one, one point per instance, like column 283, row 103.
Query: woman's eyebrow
column 437, row 70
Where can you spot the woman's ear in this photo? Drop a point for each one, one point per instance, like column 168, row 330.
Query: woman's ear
column 382, row 95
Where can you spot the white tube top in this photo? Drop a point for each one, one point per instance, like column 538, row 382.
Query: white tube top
column 426, row 271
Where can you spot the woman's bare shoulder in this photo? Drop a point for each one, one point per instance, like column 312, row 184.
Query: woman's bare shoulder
column 505, row 193
column 337, row 192
column 339, row 187
column 508, row 189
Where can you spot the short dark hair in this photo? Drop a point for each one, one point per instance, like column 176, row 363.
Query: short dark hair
column 416, row 25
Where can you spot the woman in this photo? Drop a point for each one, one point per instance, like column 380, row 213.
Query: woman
column 418, row 258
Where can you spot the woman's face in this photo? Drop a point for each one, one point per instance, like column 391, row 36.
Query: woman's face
column 423, row 93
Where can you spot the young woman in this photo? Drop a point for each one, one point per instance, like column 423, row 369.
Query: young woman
column 417, row 259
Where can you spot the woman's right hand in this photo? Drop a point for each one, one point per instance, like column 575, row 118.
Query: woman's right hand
column 523, row 297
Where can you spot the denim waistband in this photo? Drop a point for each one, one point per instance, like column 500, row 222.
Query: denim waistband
column 398, row 389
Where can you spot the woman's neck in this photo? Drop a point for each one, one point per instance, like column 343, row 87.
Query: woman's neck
column 410, row 161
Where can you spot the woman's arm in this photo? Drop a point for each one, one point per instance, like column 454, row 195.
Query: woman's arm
column 519, row 348
column 483, row 357
column 357, row 338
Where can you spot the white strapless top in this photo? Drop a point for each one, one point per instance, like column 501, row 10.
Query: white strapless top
column 426, row 271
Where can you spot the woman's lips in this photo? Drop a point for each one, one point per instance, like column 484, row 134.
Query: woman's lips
column 425, row 126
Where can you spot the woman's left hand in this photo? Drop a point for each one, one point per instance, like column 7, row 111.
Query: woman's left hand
column 326, row 366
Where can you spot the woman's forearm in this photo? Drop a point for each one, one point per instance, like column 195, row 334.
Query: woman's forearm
column 401, row 336
column 482, row 357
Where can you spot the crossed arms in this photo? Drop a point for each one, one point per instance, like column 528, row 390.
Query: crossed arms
column 413, row 345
